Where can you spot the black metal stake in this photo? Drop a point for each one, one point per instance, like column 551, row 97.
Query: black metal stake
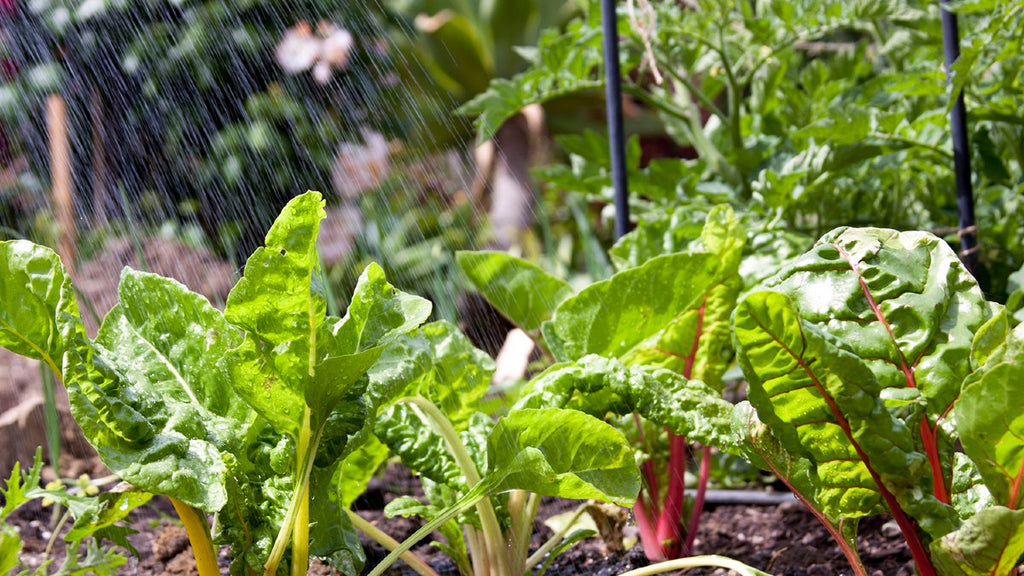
column 613, row 93
column 968, row 232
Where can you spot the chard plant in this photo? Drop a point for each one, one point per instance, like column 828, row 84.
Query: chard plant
column 669, row 314
column 881, row 380
column 244, row 414
column 483, row 479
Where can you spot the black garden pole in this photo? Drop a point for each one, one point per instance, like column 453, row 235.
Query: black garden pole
column 968, row 232
column 613, row 94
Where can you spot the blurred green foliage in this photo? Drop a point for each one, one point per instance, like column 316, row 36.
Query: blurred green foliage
column 806, row 114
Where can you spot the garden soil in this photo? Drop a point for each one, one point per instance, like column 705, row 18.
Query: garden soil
column 783, row 540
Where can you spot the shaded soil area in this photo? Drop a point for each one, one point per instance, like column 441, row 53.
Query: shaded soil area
column 783, row 540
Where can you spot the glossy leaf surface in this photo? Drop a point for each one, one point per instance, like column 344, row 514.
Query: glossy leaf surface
column 519, row 289
column 38, row 313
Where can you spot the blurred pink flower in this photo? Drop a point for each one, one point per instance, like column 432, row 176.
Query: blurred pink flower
column 323, row 53
column 359, row 168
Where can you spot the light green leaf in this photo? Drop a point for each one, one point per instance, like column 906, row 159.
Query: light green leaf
column 987, row 544
column 599, row 386
column 377, row 314
column 990, row 425
column 564, row 453
column 520, row 290
column 38, row 313
column 822, row 401
column 613, row 317
column 152, row 395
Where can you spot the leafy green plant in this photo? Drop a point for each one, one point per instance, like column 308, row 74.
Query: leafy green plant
column 95, row 516
column 799, row 113
column 483, row 479
column 225, row 413
column 861, row 366
column 669, row 313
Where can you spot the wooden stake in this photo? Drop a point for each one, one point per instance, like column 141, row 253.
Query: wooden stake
column 99, row 159
column 60, row 179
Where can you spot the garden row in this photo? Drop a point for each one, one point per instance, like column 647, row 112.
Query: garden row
column 879, row 380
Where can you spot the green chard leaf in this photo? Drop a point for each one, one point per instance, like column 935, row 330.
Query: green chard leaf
column 564, row 453
column 520, row 290
column 153, row 396
column 673, row 311
column 903, row 306
column 823, row 401
column 38, row 312
column 599, row 386
column 901, row 300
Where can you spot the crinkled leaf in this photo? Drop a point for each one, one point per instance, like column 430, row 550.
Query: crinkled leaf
column 412, row 437
column 520, row 290
column 990, row 424
column 901, row 300
column 38, row 312
column 599, row 386
column 439, row 363
column 987, row 544
column 763, row 449
column 151, row 393
column 564, row 453
column 969, row 493
column 422, row 450
column 822, row 401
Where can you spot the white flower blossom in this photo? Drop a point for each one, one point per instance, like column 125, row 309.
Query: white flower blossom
column 323, row 53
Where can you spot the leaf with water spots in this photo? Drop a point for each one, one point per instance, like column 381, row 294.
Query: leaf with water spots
column 38, row 312
column 153, row 395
